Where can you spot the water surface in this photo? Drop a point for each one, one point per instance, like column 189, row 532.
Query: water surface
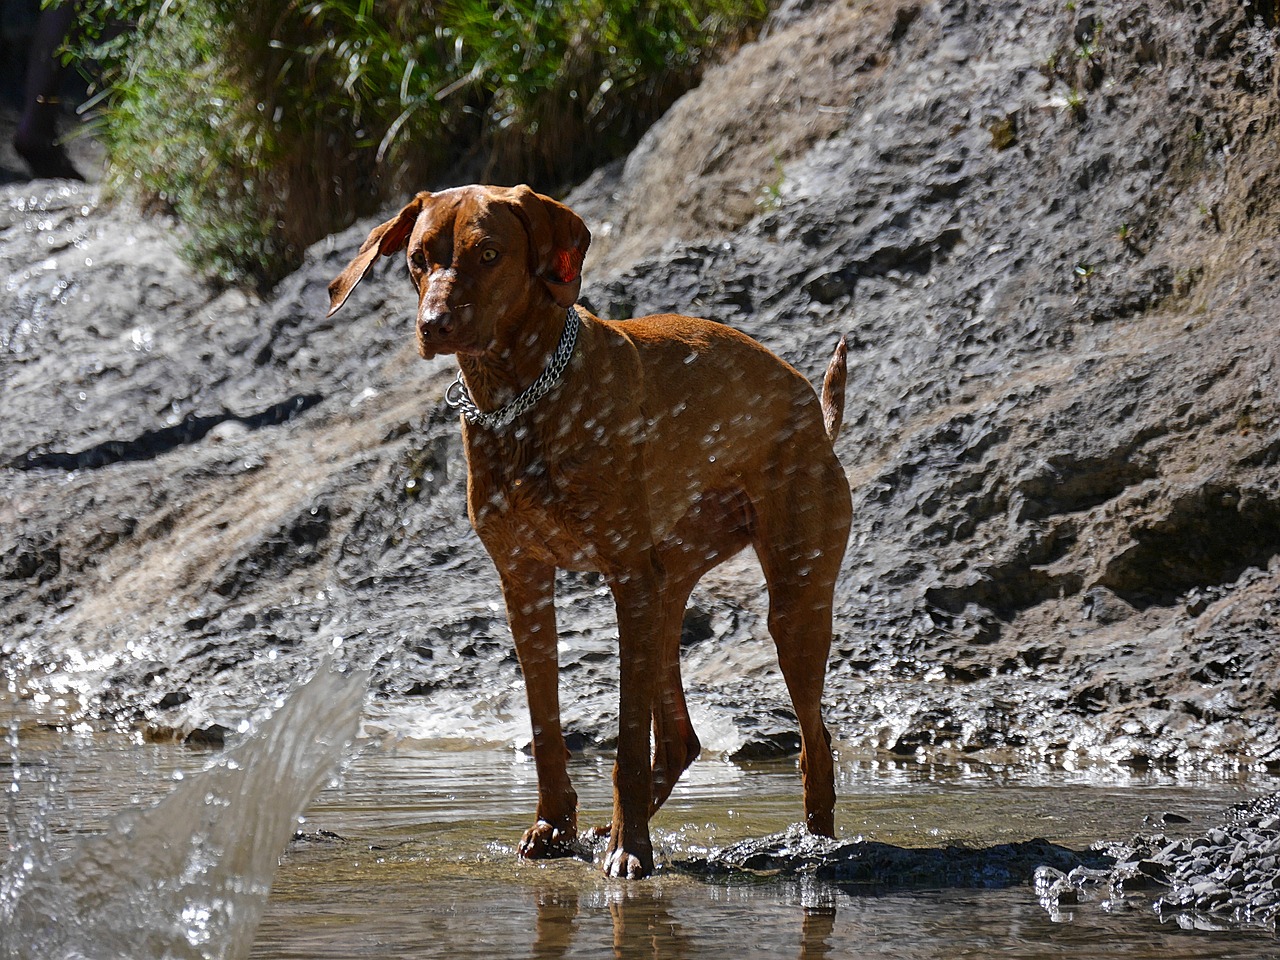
column 427, row 868
column 411, row 854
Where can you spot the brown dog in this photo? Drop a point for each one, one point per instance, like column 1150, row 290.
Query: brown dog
column 648, row 450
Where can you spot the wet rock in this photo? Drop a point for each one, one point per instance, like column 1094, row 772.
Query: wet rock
column 318, row 836
column 768, row 746
column 1166, row 817
column 1228, row 876
column 214, row 735
column 174, row 698
column 1141, row 875
column 860, row 862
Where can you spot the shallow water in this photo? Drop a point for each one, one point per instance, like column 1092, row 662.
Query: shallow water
column 423, row 863
column 444, row 880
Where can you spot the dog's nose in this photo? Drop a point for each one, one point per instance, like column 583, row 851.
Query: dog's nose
column 435, row 324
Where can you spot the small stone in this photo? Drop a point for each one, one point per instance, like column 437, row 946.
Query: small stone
column 1196, row 867
column 1065, row 895
column 1209, row 895
column 1177, row 899
column 1154, row 870
column 214, row 735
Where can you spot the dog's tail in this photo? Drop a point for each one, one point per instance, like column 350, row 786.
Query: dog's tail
column 833, row 391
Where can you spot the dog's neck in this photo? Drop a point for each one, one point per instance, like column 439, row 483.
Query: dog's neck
column 500, row 374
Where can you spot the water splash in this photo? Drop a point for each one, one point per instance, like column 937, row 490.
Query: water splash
column 189, row 877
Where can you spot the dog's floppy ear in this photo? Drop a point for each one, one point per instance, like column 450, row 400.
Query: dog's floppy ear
column 558, row 241
column 385, row 240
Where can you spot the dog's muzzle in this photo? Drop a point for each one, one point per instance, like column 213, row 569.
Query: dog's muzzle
column 436, row 327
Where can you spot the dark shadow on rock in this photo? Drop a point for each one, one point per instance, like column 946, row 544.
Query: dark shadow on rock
column 153, row 443
column 866, row 866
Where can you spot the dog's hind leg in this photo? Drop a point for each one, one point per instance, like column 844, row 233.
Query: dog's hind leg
column 796, row 617
column 800, row 622
column 803, row 528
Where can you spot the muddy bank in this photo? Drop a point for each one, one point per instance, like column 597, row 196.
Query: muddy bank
column 1051, row 237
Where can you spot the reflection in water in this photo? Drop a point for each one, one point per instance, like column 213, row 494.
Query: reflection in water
column 189, row 877
column 815, row 933
column 646, row 925
column 644, row 929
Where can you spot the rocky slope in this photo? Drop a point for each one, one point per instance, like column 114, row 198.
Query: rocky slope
column 1050, row 233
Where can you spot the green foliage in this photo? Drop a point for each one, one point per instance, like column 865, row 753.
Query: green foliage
column 267, row 125
column 770, row 196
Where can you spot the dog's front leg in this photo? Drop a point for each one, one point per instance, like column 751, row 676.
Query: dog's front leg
column 529, row 590
column 637, row 594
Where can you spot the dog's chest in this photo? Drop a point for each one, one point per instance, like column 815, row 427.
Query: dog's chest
column 522, row 502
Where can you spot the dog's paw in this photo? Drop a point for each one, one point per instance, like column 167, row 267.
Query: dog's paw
column 545, row 841
column 624, row 865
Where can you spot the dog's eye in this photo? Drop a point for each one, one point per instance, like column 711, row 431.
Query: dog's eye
column 418, row 259
column 489, row 255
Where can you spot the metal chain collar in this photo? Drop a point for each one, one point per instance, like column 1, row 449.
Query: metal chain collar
column 457, row 395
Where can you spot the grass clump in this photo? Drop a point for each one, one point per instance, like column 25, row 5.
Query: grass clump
column 265, row 126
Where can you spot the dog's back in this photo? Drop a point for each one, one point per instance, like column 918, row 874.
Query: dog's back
column 723, row 414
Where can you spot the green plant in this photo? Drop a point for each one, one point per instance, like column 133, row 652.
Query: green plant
column 1089, row 47
column 267, row 125
column 1076, row 102
column 770, row 197
column 1128, row 239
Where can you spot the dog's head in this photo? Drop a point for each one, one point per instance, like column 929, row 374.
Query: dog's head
column 483, row 259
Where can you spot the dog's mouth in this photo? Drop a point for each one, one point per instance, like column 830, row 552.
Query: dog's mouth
column 427, row 349
column 453, row 333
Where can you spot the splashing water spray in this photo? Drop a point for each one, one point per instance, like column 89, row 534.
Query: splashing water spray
column 189, row 876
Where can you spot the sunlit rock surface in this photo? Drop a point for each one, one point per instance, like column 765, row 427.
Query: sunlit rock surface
column 1050, row 234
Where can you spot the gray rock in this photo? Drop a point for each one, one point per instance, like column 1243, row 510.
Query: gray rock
column 1227, row 878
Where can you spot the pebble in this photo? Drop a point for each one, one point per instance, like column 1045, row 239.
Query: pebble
column 1229, row 875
